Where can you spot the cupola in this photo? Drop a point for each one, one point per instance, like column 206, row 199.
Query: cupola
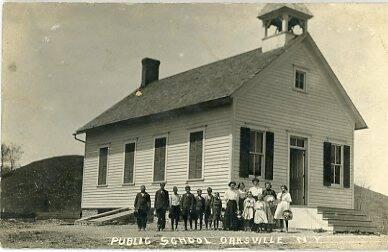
column 282, row 22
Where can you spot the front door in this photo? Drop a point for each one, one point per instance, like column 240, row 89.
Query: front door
column 297, row 172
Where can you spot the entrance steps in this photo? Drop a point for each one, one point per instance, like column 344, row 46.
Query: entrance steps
column 106, row 217
column 347, row 220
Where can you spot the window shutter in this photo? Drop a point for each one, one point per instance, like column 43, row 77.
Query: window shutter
column 269, row 149
column 326, row 164
column 129, row 162
column 244, row 152
column 198, row 154
column 346, row 166
column 102, row 166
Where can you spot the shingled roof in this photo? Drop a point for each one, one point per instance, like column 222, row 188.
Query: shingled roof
column 199, row 85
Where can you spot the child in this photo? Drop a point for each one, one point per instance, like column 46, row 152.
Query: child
column 216, row 206
column 187, row 207
column 208, row 201
column 199, row 209
column 248, row 212
column 260, row 213
column 175, row 200
column 284, row 199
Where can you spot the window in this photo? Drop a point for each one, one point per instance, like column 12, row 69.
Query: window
column 102, row 165
column 256, row 153
column 297, row 142
column 129, row 162
column 160, row 159
column 336, row 163
column 300, row 80
column 196, row 155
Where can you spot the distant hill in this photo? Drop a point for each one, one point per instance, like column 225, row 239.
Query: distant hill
column 48, row 185
column 374, row 204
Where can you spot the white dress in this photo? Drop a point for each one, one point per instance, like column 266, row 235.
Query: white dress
column 256, row 191
column 260, row 215
column 284, row 204
column 248, row 212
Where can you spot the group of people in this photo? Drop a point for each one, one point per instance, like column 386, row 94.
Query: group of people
column 254, row 209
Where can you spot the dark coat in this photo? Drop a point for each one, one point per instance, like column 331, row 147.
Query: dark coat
column 269, row 192
column 199, row 204
column 162, row 199
column 187, row 202
column 142, row 202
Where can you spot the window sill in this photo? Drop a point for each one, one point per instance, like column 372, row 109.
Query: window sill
column 158, row 182
column 128, row 184
column 195, row 180
column 337, row 187
column 304, row 91
column 102, row 186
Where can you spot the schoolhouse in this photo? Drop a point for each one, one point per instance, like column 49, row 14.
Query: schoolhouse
column 278, row 113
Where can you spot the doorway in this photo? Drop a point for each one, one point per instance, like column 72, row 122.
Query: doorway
column 298, row 169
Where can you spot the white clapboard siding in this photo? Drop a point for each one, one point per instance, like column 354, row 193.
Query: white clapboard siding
column 269, row 101
column 217, row 123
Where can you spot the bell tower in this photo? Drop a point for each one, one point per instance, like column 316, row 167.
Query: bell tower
column 282, row 22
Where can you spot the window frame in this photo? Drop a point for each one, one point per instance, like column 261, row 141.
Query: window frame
column 340, row 184
column 107, row 145
column 264, row 145
column 305, row 72
column 190, row 131
column 134, row 162
column 165, row 159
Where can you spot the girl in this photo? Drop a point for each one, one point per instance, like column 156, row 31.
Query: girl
column 243, row 194
column 284, row 199
column 249, row 204
column 260, row 214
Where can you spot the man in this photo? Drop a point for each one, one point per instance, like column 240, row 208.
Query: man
column 208, row 201
column 161, row 205
column 199, row 209
column 142, row 207
column 187, row 207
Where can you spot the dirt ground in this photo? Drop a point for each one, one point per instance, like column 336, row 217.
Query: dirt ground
column 57, row 234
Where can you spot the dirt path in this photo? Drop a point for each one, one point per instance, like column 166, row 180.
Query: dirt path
column 51, row 234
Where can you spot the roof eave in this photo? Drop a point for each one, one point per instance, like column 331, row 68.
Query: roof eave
column 218, row 102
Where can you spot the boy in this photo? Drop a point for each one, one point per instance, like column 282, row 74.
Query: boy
column 161, row 205
column 142, row 207
column 187, row 207
column 175, row 200
column 216, row 206
column 208, row 201
column 199, row 209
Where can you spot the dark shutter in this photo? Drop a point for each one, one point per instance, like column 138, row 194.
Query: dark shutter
column 244, row 152
column 346, row 166
column 269, row 148
column 195, row 155
column 129, row 162
column 160, row 159
column 326, row 164
column 102, row 165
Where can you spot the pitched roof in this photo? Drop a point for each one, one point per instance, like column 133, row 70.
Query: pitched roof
column 199, row 85
column 270, row 7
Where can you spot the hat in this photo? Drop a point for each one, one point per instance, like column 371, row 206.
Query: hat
column 232, row 182
column 255, row 179
column 187, row 187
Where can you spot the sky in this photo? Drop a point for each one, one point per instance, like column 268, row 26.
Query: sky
column 65, row 63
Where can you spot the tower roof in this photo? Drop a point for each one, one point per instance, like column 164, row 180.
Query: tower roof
column 273, row 8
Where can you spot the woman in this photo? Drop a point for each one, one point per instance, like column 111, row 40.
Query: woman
column 256, row 190
column 269, row 199
column 243, row 195
column 284, row 199
column 231, row 198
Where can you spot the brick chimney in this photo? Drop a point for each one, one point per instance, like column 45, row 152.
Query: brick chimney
column 150, row 71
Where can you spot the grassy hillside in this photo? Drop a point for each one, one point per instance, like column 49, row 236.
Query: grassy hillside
column 374, row 204
column 48, row 185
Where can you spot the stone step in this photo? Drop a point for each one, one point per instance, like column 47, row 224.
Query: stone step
column 346, row 223
column 347, row 229
column 107, row 219
column 339, row 210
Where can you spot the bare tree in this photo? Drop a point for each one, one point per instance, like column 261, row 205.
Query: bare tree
column 10, row 156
